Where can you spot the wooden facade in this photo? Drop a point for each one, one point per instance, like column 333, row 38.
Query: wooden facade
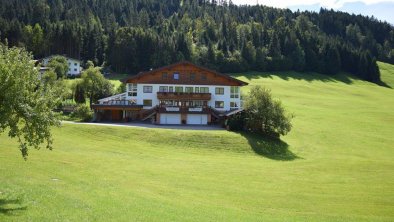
column 183, row 96
column 188, row 74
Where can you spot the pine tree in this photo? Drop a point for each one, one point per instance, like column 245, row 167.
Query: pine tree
column 79, row 94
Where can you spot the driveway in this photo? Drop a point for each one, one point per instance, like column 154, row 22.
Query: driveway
column 151, row 126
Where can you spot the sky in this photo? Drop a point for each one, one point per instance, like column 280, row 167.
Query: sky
column 381, row 9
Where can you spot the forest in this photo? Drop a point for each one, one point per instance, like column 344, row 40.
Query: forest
column 130, row 36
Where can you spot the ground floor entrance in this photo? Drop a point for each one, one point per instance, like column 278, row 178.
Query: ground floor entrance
column 116, row 115
column 178, row 118
column 170, row 119
column 197, row 119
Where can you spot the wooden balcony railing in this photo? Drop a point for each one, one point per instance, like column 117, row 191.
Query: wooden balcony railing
column 183, row 96
column 182, row 109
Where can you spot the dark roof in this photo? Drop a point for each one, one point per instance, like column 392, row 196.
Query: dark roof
column 184, row 63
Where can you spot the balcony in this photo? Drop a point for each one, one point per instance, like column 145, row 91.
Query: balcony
column 116, row 105
column 183, row 96
column 182, row 109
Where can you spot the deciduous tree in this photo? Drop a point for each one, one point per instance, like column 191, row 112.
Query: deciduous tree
column 26, row 106
column 266, row 115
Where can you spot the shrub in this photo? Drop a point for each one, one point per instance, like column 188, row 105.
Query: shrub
column 59, row 65
column 266, row 115
column 83, row 112
column 79, row 94
column 236, row 122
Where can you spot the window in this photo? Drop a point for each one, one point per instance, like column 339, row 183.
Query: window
column 75, row 70
column 189, row 89
column 69, row 64
column 132, row 89
column 197, row 90
column 219, row 104
column 192, row 76
column 178, row 89
column 198, row 103
column 219, row 91
column 75, row 64
column 171, row 89
column 204, row 90
column 176, row 76
column 147, row 102
column 167, row 102
column 148, row 89
column 164, row 75
column 163, row 89
column 233, row 105
column 234, row 92
column 203, row 76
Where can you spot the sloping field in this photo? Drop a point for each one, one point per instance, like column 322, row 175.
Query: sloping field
column 336, row 165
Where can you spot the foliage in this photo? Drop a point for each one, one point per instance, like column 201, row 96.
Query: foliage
column 266, row 115
column 133, row 36
column 83, row 112
column 49, row 77
column 89, row 64
column 236, row 122
column 121, row 88
column 95, row 85
column 79, row 94
column 26, row 104
column 59, row 65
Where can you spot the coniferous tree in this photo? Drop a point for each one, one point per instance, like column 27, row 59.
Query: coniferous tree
column 79, row 94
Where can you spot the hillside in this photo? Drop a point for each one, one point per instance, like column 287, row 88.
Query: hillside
column 387, row 73
column 336, row 165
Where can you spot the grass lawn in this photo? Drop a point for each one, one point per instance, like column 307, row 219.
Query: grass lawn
column 387, row 72
column 336, row 165
column 115, row 79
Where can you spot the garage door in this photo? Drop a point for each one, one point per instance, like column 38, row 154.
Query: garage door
column 170, row 119
column 197, row 119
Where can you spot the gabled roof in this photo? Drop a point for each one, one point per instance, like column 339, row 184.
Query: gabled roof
column 141, row 74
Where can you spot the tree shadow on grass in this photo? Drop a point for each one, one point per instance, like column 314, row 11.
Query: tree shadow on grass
column 10, row 206
column 381, row 83
column 307, row 76
column 343, row 77
column 274, row 149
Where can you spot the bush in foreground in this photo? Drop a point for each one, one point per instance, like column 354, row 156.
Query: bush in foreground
column 83, row 112
column 265, row 115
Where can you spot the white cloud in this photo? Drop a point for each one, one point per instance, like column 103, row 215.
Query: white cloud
column 335, row 4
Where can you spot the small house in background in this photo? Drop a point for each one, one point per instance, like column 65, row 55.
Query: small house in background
column 43, row 69
column 74, row 65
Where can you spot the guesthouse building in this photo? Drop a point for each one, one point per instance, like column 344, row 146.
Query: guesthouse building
column 181, row 93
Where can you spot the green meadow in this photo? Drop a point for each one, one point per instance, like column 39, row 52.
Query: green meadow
column 336, row 164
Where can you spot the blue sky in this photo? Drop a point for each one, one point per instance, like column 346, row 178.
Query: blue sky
column 381, row 9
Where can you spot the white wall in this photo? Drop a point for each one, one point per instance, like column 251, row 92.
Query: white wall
column 141, row 96
column 74, row 65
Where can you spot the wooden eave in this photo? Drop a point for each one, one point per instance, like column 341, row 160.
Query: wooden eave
column 164, row 68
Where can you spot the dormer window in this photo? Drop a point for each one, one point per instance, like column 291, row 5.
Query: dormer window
column 192, row 76
column 176, row 76
column 203, row 76
column 164, row 75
